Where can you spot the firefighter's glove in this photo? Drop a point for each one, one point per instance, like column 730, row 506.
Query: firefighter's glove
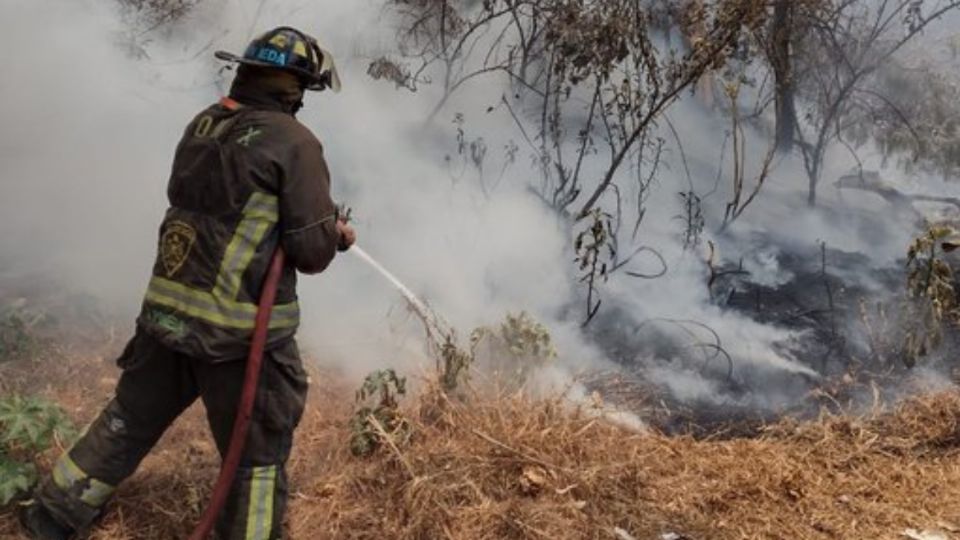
column 348, row 236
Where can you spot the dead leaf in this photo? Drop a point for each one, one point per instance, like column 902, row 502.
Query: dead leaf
column 532, row 480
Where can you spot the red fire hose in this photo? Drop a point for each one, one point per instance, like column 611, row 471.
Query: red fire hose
column 241, row 425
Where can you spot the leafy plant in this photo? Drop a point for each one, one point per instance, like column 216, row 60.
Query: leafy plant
column 456, row 363
column 518, row 347
column 913, row 325
column 16, row 478
column 31, row 423
column 16, row 336
column 932, row 297
column 693, row 219
column 384, row 68
column 28, row 425
column 378, row 415
column 526, row 338
column 594, row 246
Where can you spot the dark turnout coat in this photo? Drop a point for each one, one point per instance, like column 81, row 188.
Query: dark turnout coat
column 246, row 177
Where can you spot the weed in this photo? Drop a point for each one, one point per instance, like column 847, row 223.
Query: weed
column 456, row 363
column 378, row 415
column 16, row 478
column 16, row 331
column 932, row 298
column 28, row 425
column 518, row 347
column 594, row 246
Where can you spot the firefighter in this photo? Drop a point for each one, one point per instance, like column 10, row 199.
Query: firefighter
column 247, row 177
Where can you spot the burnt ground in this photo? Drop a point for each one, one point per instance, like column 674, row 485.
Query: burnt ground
column 823, row 298
column 830, row 297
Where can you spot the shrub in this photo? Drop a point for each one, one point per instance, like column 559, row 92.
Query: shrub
column 28, row 426
column 378, row 416
column 516, row 348
column 16, row 336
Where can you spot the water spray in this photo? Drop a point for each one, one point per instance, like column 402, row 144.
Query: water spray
column 436, row 326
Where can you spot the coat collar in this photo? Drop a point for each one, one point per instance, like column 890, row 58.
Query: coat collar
column 266, row 90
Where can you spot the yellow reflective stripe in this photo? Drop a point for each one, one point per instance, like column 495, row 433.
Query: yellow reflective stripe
column 266, row 214
column 215, row 309
column 260, row 511
column 239, row 253
column 97, row 493
column 66, row 474
column 260, row 214
column 263, row 205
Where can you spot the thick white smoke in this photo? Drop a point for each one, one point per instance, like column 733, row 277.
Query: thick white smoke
column 89, row 132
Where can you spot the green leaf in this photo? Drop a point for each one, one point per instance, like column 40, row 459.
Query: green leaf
column 15, row 479
column 31, row 423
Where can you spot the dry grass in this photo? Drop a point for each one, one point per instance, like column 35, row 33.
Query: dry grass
column 515, row 469
column 512, row 468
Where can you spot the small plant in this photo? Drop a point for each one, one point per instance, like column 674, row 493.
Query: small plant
column 931, row 294
column 16, row 331
column 929, row 276
column 378, row 415
column 384, row 68
column 16, row 478
column 594, row 246
column 28, row 426
column 518, row 347
column 692, row 218
column 14, row 338
column 913, row 325
column 526, row 338
column 456, row 363
column 880, row 331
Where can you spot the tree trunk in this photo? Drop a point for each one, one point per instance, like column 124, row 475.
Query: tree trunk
column 782, row 63
column 812, row 193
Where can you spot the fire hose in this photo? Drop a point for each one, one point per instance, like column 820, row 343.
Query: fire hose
column 251, row 380
column 241, row 425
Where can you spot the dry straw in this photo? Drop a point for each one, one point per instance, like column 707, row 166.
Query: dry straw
column 517, row 468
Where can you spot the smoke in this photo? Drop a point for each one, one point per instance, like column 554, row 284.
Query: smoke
column 90, row 130
column 90, row 134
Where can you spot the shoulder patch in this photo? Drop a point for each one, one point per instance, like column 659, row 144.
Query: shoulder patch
column 175, row 244
column 249, row 136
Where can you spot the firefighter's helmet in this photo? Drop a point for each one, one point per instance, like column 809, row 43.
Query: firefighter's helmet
column 291, row 50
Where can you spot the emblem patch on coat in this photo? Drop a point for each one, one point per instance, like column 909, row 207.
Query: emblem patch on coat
column 175, row 245
column 249, row 136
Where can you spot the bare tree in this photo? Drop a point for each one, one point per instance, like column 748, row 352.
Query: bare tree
column 848, row 42
column 586, row 85
column 741, row 197
column 914, row 116
column 144, row 17
column 588, row 80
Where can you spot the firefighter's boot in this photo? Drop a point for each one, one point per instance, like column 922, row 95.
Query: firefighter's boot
column 38, row 524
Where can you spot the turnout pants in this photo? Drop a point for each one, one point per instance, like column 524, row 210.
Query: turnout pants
column 157, row 385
